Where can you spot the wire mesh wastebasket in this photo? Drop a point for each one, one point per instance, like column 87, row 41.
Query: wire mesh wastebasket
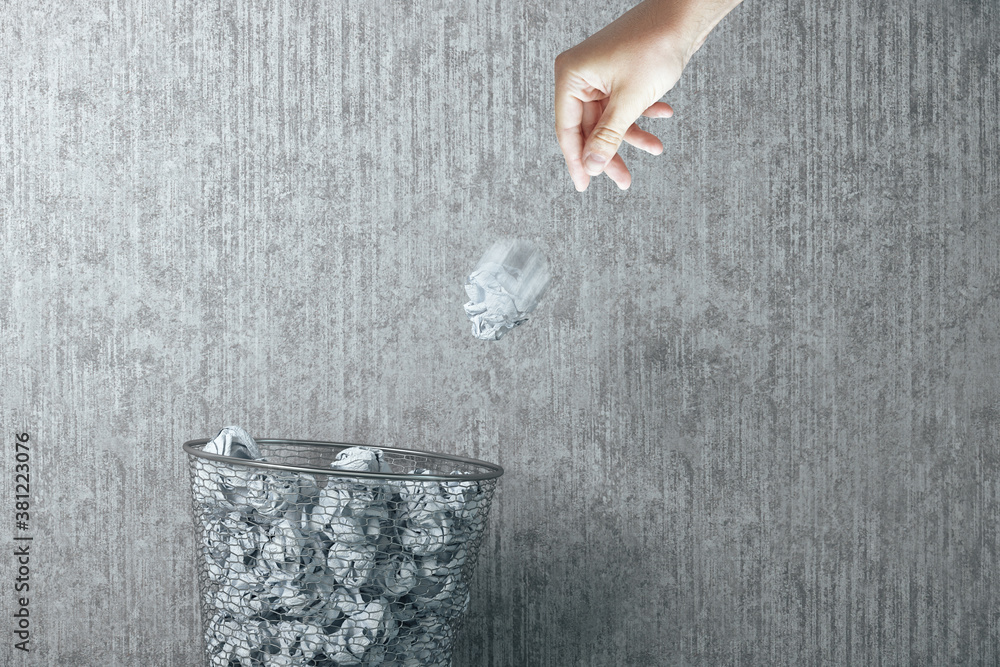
column 305, row 564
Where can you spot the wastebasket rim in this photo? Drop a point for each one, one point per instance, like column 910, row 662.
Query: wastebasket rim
column 495, row 471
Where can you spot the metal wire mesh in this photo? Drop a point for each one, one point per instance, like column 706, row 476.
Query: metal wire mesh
column 327, row 568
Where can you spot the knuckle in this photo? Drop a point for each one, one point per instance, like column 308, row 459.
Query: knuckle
column 565, row 62
column 607, row 135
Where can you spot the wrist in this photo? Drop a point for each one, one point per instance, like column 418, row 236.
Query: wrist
column 684, row 25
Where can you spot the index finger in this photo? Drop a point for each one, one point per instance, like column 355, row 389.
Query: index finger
column 569, row 132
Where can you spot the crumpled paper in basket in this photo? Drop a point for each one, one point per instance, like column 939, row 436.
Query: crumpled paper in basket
column 356, row 571
column 234, row 441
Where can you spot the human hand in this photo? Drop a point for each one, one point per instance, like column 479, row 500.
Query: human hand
column 610, row 79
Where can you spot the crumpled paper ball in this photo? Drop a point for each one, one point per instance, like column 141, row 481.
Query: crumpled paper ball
column 505, row 287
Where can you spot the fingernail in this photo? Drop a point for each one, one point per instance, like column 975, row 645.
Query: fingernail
column 594, row 163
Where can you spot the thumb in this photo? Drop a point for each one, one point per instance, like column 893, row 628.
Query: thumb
column 608, row 134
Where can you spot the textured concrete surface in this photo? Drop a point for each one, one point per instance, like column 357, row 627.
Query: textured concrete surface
column 755, row 422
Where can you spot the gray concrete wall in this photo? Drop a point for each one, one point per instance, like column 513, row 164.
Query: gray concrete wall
column 755, row 422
